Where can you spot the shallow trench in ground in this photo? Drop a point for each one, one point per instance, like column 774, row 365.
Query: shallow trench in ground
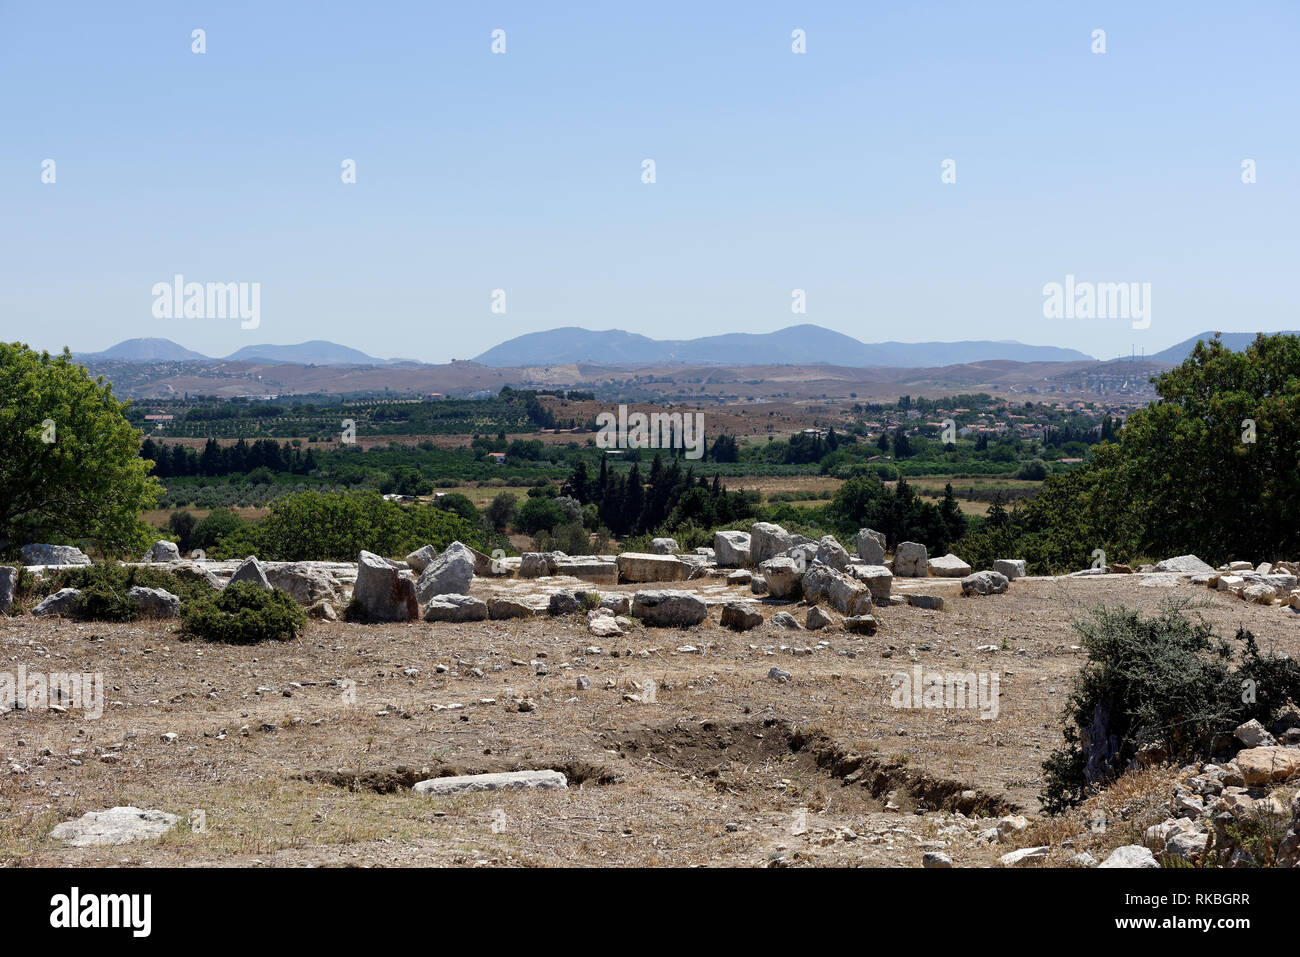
column 748, row 756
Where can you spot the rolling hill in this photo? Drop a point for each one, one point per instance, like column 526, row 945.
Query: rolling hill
column 317, row 352
column 147, row 350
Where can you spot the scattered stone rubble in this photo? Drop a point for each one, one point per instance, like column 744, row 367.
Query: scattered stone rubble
column 1239, row 810
column 1212, row 810
column 839, row 588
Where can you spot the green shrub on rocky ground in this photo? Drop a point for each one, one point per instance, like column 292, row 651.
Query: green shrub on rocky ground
column 243, row 613
column 1166, row 681
column 104, row 588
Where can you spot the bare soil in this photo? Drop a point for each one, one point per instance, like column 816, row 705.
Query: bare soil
column 725, row 766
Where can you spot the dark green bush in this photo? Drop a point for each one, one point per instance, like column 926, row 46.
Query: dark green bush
column 102, row 603
column 242, row 614
column 104, row 588
column 1165, row 680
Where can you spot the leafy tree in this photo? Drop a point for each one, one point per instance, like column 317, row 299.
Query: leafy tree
column 634, row 500
column 1214, row 465
column 1035, row 470
column 856, row 503
column 954, row 519
column 406, row 480
column 459, row 503
column 902, row 444
column 724, row 449
column 578, row 486
column 570, row 509
column 569, row 538
column 220, row 523
column 1210, row 468
column 539, row 514
column 336, row 526
column 69, row 463
column 501, row 511
column 182, row 524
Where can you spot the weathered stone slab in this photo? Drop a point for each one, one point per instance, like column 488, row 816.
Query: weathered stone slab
column 119, row 825
column 861, row 624
column 818, row 618
column 1184, row 564
column 741, row 615
column 161, row 551
column 451, row 573
column 911, row 560
column 251, row 570
column 831, row 552
column 1264, row 765
column 60, row 603
column 639, row 567
column 1012, row 568
column 731, row 549
column 1130, row 855
column 767, row 540
column 846, row 595
column 420, row 558
column 984, row 583
column 878, row 578
column 949, row 566
column 603, row 624
column 537, row 564
column 871, row 546
column 53, row 555
column 381, row 593
column 1024, row 854
column 155, row 602
column 587, row 568
column 455, row 608
column 668, row 608
column 305, row 582
column 499, row 781
column 784, row 577
column 502, row 607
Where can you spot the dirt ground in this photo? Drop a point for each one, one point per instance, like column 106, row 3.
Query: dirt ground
column 303, row 753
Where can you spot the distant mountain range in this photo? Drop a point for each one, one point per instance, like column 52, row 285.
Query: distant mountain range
column 792, row 345
column 316, row 352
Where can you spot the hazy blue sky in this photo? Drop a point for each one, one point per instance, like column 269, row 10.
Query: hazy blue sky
column 522, row 171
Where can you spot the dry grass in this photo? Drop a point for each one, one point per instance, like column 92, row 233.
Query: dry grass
column 677, row 771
